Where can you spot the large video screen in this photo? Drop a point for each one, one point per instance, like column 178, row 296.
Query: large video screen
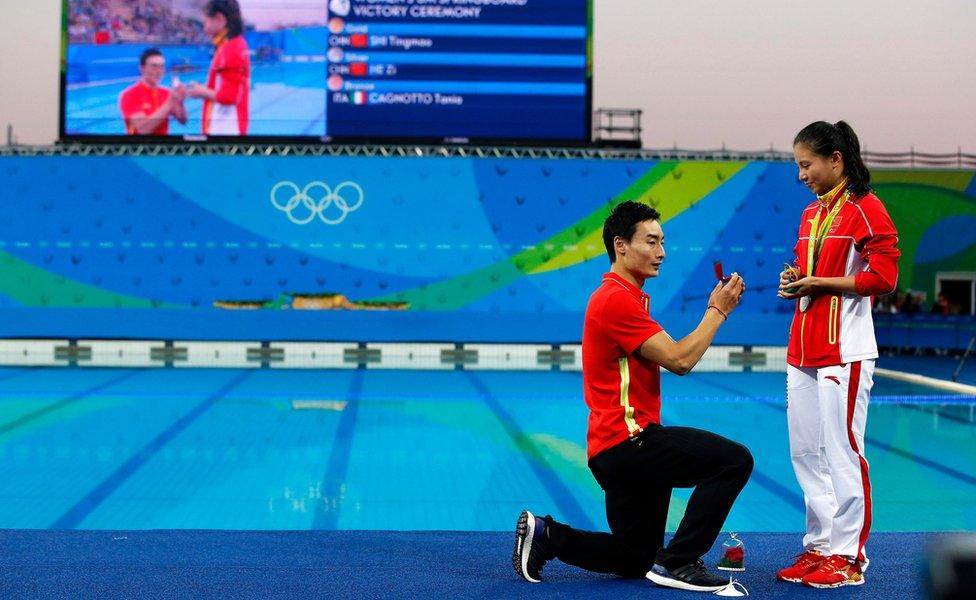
column 443, row 71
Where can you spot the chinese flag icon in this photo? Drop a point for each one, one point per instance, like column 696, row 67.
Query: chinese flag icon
column 358, row 40
column 357, row 69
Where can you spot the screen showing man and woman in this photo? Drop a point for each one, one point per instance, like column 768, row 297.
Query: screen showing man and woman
column 335, row 70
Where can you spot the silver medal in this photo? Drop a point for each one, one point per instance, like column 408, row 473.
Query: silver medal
column 804, row 303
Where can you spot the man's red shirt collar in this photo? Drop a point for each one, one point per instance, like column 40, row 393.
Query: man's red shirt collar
column 634, row 291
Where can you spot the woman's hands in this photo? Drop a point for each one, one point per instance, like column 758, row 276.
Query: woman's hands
column 793, row 289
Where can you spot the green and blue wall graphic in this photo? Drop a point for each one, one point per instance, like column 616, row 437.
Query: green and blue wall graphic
column 373, row 249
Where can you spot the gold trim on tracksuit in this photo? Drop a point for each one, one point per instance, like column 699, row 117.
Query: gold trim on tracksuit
column 832, row 320
column 632, row 427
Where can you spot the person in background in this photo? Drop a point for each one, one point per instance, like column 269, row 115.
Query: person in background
column 941, row 305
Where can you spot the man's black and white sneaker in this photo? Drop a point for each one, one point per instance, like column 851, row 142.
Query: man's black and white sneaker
column 693, row 577
column 532, row 550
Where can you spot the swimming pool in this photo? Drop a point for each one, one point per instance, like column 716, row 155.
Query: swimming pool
column 97, row 448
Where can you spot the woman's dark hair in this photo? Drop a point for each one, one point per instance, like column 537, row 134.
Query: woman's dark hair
column 231, row 11
column 823, row 139
column 623, row 221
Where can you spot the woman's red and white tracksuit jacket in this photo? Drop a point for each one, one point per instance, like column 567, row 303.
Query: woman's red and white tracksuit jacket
column 830, row 370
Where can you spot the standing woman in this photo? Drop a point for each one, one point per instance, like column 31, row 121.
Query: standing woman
column 846, row 253
column 225, row 97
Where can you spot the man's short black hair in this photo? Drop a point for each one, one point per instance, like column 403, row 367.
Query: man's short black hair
column 147, row 54
column 623, row 220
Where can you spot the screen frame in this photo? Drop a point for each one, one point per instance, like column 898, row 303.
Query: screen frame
column 72, row 138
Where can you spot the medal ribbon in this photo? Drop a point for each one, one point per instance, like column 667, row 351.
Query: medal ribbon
column 818, row 230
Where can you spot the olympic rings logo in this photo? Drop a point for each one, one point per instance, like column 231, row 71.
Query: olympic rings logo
column 317, row 199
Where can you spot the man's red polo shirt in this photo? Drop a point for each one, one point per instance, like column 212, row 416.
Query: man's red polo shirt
column 140, row 98
column 621, row 388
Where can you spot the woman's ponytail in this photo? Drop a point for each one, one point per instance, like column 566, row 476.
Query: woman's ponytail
column 858, row 176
